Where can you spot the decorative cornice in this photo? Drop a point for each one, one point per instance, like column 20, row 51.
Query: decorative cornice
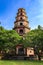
column 21, row 27
column 21, row 15
column 21, row 20
column 21, row 12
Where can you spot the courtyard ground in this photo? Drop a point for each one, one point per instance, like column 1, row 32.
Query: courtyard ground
column 20, row 62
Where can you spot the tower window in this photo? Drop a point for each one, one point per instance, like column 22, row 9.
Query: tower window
column 21, row 18
column 30, row 51
column 21, row 23
column 21, row 13
column 21, row 31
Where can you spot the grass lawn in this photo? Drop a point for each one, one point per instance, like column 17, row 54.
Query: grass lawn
column 19, row 62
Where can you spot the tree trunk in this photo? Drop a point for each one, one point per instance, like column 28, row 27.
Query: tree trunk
column 39, row 57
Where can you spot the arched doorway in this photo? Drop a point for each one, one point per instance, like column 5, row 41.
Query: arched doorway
column 19, row 50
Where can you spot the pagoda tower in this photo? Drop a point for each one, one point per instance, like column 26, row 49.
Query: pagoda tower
column 21, row 25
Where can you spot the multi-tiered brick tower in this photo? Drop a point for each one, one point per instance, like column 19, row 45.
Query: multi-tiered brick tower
column 22, row 27
column 21, row 23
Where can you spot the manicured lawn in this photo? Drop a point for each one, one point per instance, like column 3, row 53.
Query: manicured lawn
column 19, row 62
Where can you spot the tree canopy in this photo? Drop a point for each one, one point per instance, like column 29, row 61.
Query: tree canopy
column 10, row 38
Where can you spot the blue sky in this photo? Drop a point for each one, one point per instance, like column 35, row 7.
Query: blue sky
column 8, row 10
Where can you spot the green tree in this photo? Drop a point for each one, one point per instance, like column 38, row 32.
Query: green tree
column 8, row 39
column 35, row 39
